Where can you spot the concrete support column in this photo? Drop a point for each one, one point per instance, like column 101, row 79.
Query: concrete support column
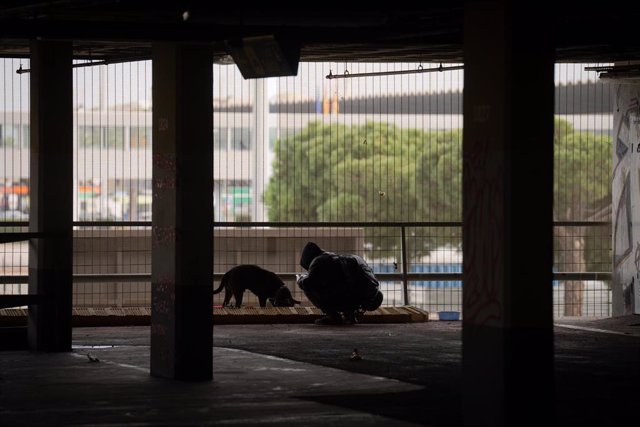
column 51, row 196
column 182, row 235
column 507, row 214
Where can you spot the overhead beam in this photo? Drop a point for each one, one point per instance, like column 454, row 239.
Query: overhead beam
column 205, row 32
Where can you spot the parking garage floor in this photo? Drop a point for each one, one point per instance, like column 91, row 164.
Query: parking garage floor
column 304, row 375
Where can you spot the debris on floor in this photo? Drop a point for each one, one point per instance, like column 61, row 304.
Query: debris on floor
column 355, row 355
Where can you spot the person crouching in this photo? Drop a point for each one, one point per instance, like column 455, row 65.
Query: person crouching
column 342, row 286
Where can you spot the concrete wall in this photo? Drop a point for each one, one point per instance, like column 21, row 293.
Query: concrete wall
column 626, row 200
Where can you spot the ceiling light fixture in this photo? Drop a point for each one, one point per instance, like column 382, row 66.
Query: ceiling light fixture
column 420, row 69
column 265, row 56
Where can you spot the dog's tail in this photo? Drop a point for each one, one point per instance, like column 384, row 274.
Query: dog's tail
column 223, row 282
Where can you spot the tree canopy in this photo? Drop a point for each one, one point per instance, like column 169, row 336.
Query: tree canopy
column 374, row 172
column 378, row 172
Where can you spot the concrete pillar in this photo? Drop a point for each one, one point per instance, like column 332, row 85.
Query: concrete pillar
column 507, row 214
column 182, row 232
column 51, row 196
column 624, row 189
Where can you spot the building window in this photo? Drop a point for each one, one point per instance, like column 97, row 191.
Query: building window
column 140, row 137
column 9, row 136
column 4, row 142
column 25, row 136
column 115, row 137
column 273, row 137
column 89, row 137
column 240, row 139
column 220, row 138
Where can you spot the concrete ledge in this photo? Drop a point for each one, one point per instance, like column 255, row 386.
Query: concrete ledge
column 141, row 316
column 257, row 315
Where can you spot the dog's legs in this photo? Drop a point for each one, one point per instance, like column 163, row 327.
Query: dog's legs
column 263, row 301
column 227, row 297
column 238, row 295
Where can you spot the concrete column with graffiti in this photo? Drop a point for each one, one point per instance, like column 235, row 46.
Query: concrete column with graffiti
column 626, row 199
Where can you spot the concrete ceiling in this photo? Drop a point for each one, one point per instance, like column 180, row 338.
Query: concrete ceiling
column 432, row 32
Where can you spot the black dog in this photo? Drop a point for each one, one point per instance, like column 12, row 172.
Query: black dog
column 264, row 283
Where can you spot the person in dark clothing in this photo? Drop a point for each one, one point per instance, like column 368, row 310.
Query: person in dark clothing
column 341, row 286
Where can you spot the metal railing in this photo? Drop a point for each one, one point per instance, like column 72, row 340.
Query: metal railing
column 402, row 269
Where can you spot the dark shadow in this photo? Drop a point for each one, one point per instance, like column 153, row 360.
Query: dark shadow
column 424, row 407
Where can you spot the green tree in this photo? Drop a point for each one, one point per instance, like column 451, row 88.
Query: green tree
column 378, row 172
column 375, row 173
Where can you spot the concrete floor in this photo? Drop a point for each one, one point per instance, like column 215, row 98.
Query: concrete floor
column 302, row 375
